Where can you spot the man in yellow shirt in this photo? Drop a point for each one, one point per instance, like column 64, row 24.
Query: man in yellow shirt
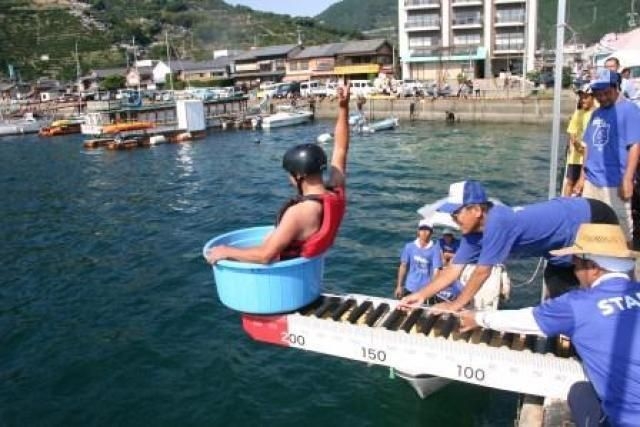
column 577, row 126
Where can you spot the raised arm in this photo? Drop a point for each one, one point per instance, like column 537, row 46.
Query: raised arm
column 341, row 138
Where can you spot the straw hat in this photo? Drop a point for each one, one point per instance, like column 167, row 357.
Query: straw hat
column 601, row 240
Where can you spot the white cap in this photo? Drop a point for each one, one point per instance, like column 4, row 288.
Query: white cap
column 425, row 223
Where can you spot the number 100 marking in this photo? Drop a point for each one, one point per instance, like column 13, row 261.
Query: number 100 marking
column 471, row 373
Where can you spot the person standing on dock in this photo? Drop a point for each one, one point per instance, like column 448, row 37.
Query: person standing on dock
column 493, row 233
column 307, row 224
column 575, row 148
column 602, row 319
column 612, row 149
column 421, row 259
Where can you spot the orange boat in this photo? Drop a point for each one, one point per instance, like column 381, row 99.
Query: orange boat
column 60, row 129
column 126, row 126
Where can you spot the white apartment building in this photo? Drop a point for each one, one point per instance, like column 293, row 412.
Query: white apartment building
column 439, row 39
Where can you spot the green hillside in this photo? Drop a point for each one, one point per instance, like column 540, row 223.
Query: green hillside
column 361, row 15
column 590, row 19
column 30, row 29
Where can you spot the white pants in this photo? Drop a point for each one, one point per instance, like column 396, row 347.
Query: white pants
column 609, row 195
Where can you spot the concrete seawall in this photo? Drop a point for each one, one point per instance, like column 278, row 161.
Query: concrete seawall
column 523, row 110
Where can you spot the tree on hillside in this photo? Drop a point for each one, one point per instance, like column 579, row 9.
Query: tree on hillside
column 113, row 83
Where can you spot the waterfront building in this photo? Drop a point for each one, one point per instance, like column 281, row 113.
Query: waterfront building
column 91, row 82
column 313, row 62
column 264, row 64
column 442, row 39
column 211, row 70
column 364, row 59
column 359, row 59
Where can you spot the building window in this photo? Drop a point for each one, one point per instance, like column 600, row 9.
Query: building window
column 467, row 18
column 466, row 39
column 422, row 20
column 510, row 15
column 303, row 65
column 293, row 66
column 510, row 41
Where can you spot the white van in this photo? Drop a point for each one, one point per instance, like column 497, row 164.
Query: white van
column 361, row 87
column 309, row 88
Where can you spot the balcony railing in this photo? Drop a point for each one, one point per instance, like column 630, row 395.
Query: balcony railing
column 510, row 19
column 415, row 23
column 509, row 46
column 425, row 51
column 464, row 50
column 465, row 2
column 409, row 3
column 475, row 20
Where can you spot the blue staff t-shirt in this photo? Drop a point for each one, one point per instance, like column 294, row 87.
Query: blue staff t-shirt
column 610, row 133
column 527, row 231
column 604, row 326
column 422, row 263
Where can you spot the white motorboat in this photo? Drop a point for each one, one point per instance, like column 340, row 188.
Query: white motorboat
column 286, row 118
column 356, row 119
column 27, row 124
column 386, row 124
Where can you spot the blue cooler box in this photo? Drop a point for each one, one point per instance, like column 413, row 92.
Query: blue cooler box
column 264, row 288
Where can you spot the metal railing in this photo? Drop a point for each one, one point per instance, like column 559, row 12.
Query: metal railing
column 509, row 46
column 422, row 3
column 415, row 23
column 467, row 21
column 425, row 51
column 510, row 18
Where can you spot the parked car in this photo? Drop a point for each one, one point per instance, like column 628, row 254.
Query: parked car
column 332, row 89
column 288, row 90
column 308, row 87
column 361, row 87
column 268, row 90
column 410, row 88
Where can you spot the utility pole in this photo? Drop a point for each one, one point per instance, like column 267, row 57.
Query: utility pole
column 166, row 39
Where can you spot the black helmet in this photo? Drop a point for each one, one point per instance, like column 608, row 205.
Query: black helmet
column 304, row 159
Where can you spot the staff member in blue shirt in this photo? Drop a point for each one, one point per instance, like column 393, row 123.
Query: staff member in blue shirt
column 602, row 318
column 491, row 234
column 612, row 141
column 422, row 260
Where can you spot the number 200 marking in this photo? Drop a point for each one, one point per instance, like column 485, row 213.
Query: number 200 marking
column 293, row 338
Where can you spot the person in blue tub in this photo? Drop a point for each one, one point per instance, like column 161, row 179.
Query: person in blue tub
column 307, row 224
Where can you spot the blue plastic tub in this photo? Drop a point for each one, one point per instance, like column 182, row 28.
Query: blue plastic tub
column 264, row 288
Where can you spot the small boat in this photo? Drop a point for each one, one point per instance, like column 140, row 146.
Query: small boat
column 62, row 127
column 386, row 124
column 286, row 118
column 356, row 119
column 97, row 124
column 27, row 124
column 127, row 126
column 323, row 138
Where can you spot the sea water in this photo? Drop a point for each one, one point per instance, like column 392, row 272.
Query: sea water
column 109, row 315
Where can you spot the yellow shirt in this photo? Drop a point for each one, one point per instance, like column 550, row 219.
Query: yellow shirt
column 577, row 126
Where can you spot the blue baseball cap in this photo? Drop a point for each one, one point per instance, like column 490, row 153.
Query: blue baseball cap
column 605, row 79
column 462, row 194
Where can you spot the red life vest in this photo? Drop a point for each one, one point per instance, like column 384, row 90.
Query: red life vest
column 333, row 207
